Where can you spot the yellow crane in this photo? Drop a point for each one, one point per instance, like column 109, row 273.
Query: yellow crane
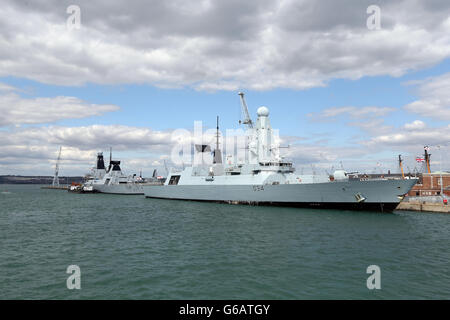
column 400, row 163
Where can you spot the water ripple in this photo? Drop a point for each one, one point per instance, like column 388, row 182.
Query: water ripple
column 129, row 247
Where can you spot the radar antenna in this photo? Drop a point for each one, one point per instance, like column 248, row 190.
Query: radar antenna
column 55, row 177
column 247, row 120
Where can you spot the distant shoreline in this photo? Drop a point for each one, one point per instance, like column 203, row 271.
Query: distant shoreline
column 17, row 179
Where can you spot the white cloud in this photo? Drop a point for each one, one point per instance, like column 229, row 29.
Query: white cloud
column 16, row 110
column 33, row 150
column 221, row 45
column 434, row 99
column 5, row 87
column 352, row 112
column 369, row 118
column 120, row 137
column 416, row 137
column 415, row 125
column 381, row 139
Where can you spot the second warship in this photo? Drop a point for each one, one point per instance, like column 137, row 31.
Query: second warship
column 112, row 180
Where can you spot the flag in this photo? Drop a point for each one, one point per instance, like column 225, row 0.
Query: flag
column 420, row 159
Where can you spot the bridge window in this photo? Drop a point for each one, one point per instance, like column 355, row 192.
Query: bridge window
column 174, row 180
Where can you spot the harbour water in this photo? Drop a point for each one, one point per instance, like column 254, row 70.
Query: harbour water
column 130, row 247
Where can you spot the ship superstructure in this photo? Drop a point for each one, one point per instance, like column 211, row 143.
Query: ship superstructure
column 112, row 180
column 265, row 178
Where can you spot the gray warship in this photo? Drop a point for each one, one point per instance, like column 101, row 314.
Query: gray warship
column 265, row 178
column 111, row 180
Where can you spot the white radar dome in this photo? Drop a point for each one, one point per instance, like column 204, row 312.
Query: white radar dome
column 263, row 112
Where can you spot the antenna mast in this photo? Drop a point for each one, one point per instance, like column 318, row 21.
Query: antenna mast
column 217, row 133
column 217, row 152
column 55, row 177
column 247, row 120
column 110, row 158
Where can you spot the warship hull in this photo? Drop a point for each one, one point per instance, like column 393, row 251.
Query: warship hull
column 373, row 195
column 129, row 188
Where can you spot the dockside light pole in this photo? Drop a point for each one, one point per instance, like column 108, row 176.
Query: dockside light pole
column 440, row 171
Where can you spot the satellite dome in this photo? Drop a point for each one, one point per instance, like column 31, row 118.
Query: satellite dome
column 263, row 111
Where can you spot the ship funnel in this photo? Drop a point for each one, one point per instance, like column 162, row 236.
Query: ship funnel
column 100, row 161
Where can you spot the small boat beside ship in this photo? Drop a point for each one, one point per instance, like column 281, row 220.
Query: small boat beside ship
column 80, row 188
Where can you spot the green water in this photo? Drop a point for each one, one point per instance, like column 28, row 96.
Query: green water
column 130, row 247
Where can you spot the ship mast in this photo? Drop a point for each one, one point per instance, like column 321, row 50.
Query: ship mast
column 217, row 152
column 217, row 133
column 247, row 120
column 110, row 159
column 55, row 177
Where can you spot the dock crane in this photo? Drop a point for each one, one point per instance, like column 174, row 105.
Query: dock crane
column 400, row 163
column 247, row 120
column 55, row 182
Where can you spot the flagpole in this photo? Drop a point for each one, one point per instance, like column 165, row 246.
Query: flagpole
column 440, row 171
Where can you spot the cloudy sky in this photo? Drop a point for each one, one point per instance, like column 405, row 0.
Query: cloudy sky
column 134, row 71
